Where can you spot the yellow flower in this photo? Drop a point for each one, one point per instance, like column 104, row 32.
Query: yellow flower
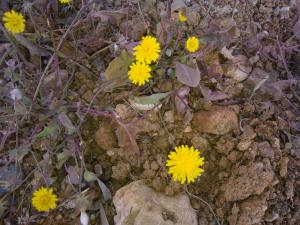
column 182, row 17
column 148, row 50
column 192, row 44
column 43, row 199
column 139, row 73
column 185, row 163
column 14, row 22
column 65, row 1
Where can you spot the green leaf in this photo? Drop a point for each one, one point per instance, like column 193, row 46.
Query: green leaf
column 89, row 176
column 52, row 130
column 147, row 102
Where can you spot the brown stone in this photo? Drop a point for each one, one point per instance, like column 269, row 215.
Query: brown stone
column 218, row 120
column 104, row 136
column 138, row 204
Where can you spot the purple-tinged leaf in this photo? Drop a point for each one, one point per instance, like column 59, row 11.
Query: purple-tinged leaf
column 66, row 122
column 187, row 75
column 181, row 101
column 212, row 95
column 188, row 117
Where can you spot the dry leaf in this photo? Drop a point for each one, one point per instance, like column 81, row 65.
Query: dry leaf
column 239, row 69
column 212, row 95
column 118, row 67
column 33, row 49
column 187, row 75
column 114, row 17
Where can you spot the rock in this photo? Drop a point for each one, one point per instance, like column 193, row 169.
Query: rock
column 271, row 216
column 251, row 152
column 252, row 211
column 265, row 150
column 120, row 171
column 138, row 204
column 199, row 142
column 232, row 219
column 203, row 221
column 218, row 120
column 225, row 144
column 251, row 179
column 154, row 165
column 104, row 136
column 244, row 144
column 124, row 111
column 283, row 166
column 195, row 204
column 148, row 174
column 224, row 163
column 169, row 116
column 157, row 184
column 147, row 126
column 234, row 156
column 289, row 188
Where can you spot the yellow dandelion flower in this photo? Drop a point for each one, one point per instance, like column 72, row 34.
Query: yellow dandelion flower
column 148, row 50
column 44, row 199
column 192, row 44
column 182, row 17
column 185, row 164
column 139, row 73
column 14, row 22
column 65, row 1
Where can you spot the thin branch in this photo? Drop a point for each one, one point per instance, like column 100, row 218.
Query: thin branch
column 208, row 205
column 55, row 53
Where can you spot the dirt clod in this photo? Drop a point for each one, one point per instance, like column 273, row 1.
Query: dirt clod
column 251, row 179
column 252, row 211
column 120, row 171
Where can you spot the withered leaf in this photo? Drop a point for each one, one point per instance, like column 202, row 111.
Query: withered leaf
column 67, row 123
column 33, row 49
column 212, row 95
column 187, row 75
column 118, row 67
column 114, row 17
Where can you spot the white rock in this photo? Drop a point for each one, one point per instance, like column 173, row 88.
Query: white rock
column 141, row 205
